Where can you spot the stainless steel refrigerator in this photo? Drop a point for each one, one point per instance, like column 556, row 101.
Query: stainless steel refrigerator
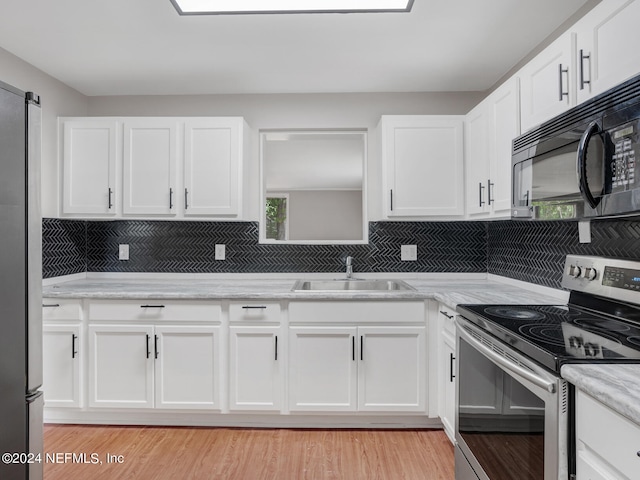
column 21, row 400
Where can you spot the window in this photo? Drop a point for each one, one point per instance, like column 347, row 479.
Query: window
column 277, row 210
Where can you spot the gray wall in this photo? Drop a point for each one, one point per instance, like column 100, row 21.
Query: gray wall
column 57, row 100
column 325, row 215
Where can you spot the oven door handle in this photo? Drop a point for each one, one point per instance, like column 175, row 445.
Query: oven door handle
column 506, row 364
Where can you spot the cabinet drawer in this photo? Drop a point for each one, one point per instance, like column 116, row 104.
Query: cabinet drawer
column 255, row 312
column 448, row 317
column 61, row 309
column 608, row 434
column 356, row 311
column 154, row 310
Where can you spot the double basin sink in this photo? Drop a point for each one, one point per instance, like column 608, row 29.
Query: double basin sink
column 351, row 285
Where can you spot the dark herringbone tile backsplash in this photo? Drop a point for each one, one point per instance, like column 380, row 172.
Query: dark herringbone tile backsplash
column 529, row 251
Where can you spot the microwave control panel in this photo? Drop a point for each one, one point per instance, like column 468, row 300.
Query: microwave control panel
column 623, row 162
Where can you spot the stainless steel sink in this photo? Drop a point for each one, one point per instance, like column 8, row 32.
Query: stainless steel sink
column 351, row 285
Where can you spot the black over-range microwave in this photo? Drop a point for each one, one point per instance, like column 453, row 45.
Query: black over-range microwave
column 582, row 163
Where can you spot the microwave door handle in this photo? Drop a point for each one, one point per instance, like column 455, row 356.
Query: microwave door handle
column 581, row 167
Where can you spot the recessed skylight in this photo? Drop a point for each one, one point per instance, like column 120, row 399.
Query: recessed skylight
column 221, row 7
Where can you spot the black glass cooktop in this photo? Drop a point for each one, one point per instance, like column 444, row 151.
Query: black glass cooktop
column 558, row 334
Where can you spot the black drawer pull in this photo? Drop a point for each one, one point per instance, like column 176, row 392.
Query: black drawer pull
column 451, row 359
column 446, row 315
column 50, row 305
column 151, row 306
column 254, row 307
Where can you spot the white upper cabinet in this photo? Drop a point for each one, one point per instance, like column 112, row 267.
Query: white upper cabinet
column 422, row 159
column 172, row 167
column 489, row 132
column 150, row 163
column 89, row 167
column 607, row 43
column 547, row 82
column 504, row 105
column 476, row 147
column 213, row 148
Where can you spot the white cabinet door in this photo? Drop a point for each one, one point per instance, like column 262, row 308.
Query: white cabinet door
column 255, row 376
column 187, row 367
column 448, row 413
column 607, row 443
column 62, row 352
column 607, row 40
column 213, row 150
column 547, row 83
column 392, row 369
column 150, row 162
column 422, row 165
column 90, row 153
column 322, row 369
column 504, row 106
column 121, row 366
column 476, row 148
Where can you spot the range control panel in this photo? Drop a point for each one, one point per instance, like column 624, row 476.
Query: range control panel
column 621, row 278
column 607, row 277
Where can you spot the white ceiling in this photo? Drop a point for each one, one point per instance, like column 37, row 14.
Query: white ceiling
column 134, row 47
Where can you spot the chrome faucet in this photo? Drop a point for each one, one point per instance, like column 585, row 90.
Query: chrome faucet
column 348, row 261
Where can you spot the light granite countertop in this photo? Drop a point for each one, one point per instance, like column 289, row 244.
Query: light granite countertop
column 615, row 385
column 451, row 292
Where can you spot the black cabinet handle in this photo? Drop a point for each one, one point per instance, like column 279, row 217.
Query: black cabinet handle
column 451, row 359
column 391, row 194
column 446, row 314
column 561, row 83
column 110, row 202
column 74, row 352
column 155, row 346
column 148, row 351
column 361, row 349
column 276, row 348
column 353, row 348
column 480, row 200
column 50, row 305
column 489, row 187
column 254, row 307
column 584, row 57
column 170, row 198
column 151, row 306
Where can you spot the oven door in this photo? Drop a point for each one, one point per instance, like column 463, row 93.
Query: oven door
column 512, row 415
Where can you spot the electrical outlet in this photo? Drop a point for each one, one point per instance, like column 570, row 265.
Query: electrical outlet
column 123, row 251
column 409, row 253
column 220, row 252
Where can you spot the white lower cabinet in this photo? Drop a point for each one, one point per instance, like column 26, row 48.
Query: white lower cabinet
column 447, row 369
column 357, row 368
column 608, row 444
column 61, row 373
column 322, row 369
column 187, row 366
column 255, row 368
column 145, row 366
column 63, row 353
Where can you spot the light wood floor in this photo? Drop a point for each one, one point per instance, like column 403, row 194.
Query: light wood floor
column 176, row 453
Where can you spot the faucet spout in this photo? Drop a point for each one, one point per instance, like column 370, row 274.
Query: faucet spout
column 348, row 262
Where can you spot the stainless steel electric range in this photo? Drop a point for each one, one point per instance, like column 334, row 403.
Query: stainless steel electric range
column 514, row 417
